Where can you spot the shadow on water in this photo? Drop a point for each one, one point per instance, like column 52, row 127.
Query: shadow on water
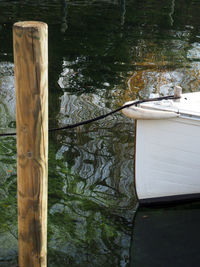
column 166, row 237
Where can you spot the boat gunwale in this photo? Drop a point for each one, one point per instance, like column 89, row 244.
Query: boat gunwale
column 179, row 110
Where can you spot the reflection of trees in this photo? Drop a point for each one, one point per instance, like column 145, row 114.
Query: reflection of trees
column 99, row 50
column 91, row 198
column 7, row 96
column 8, row 200
column 162, row 67
column 64, row 25
column 88, row 208
column 90, row 191
column 147, row 43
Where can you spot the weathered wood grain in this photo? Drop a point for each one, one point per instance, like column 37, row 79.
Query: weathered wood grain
column 31, row 83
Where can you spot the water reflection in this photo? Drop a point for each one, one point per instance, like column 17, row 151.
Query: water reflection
column 64, row 25
column 97, row 203
column 7, row 96
column 8, row 202
column 161, row 70
column 101, row 54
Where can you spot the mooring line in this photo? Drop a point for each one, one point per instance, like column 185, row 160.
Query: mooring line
column 71, row 126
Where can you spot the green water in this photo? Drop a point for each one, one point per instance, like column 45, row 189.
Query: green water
column 101, row 54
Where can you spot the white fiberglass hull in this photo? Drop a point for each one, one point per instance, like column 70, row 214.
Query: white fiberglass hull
column 167, row 160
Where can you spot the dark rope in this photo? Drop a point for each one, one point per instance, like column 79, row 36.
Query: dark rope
column 102, row 116
column 7, row 134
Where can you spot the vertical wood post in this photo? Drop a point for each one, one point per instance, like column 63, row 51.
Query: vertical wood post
column 31, row 83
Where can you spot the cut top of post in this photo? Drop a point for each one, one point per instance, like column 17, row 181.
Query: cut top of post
column 36, row 30
column 30, row 24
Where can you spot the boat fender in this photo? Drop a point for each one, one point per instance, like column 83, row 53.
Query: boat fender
column 139, row 113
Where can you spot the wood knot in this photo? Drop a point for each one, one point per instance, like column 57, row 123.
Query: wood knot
column 29, row 155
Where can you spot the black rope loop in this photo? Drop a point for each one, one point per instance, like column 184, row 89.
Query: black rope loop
column 71, row 126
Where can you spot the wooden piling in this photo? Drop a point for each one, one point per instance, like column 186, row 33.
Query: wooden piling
column 31, row 83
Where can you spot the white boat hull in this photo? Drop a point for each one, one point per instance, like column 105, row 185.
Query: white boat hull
column 167, row 160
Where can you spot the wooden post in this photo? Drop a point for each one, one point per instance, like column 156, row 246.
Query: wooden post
column 31, row 83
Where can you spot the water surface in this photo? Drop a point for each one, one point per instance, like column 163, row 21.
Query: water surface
column 101, row 54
